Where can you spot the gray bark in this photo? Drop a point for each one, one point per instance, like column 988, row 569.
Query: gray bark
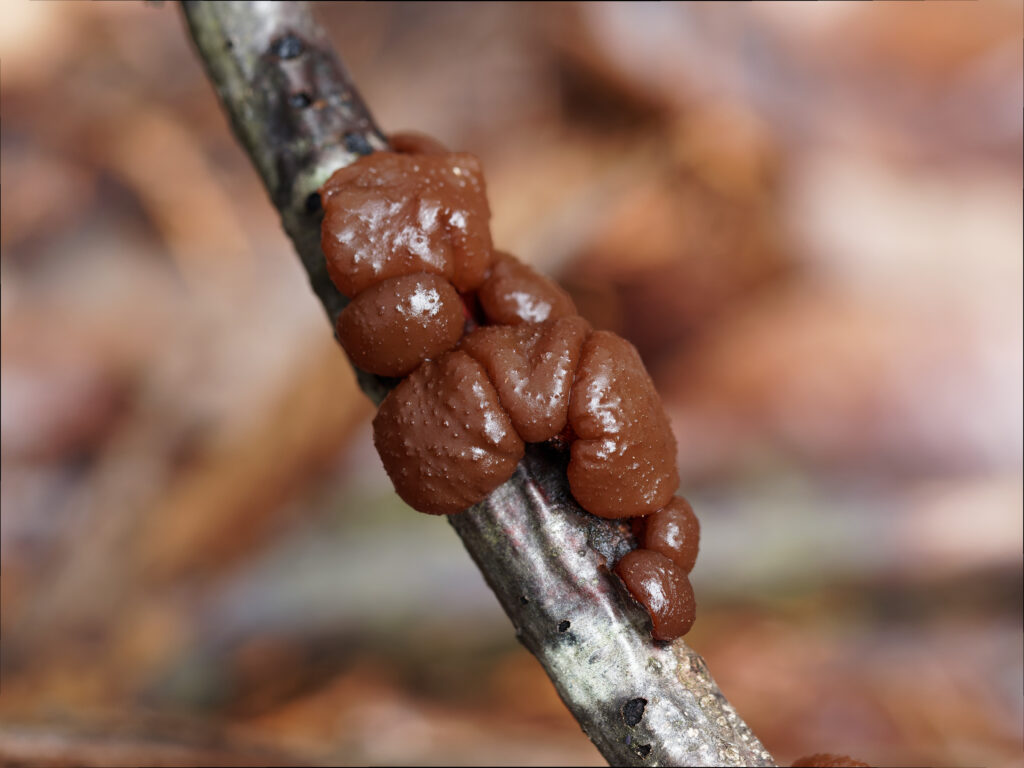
column 294, row 108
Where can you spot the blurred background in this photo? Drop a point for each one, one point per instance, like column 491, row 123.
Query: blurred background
column 807, row 218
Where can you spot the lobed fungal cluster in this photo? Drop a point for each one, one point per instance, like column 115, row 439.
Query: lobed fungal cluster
column 491, row 356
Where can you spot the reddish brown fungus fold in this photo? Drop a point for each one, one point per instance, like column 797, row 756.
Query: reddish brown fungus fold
column 390, row 214
column 674, row 531
column 406, row 237
column 663, row 588
column 515, row 293
column 532, row 367
column 393, row 326
column 623, row 463
column 444, row 438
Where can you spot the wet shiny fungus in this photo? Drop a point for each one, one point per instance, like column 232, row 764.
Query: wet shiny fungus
column 443, row 437
column 393, row 326
column 390, row 214
column 674, row 531
column 624, row 462
column 406, row 237
column 532, row 367
column 663, row 588
column 516, row 293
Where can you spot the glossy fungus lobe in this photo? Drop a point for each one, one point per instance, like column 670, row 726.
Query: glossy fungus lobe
column 404, row 233
column 515, row 293
column 393, row 326
column 825, row 760
column 663, row 588
column 391, row 214
column 443, row 437
column 623, row 463
column 532, row 367
column 674, row 531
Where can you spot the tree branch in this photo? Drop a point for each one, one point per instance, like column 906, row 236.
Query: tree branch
column 294, row 108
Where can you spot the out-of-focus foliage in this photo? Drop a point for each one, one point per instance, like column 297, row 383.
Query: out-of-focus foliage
column 807, row 219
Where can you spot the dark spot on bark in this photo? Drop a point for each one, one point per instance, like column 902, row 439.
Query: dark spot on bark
column 524, row 600
column 633, row 711
column 356, row 142
column 300, row 100
column 313, row 204
column 287, row 46
column 564, row 625
column 642, row 750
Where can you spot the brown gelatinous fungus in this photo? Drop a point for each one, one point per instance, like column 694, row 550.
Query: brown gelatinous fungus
column 532, row 367
column 674, row 531
column 624, row 462
column 443, row 437
column 393, row 326
column 661, row 587
column 389, row 214
column 516, row 293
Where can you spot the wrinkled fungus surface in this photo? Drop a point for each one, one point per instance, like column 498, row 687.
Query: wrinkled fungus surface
column 393, row 326
column 516, row 293
column 406, row 237
column 391, row 214
column 444, row 438
column 532, row 367
column 624, row 462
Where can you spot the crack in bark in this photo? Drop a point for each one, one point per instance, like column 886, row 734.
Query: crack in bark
column 294, row 108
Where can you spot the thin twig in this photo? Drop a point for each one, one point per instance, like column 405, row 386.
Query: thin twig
column 294, row 108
